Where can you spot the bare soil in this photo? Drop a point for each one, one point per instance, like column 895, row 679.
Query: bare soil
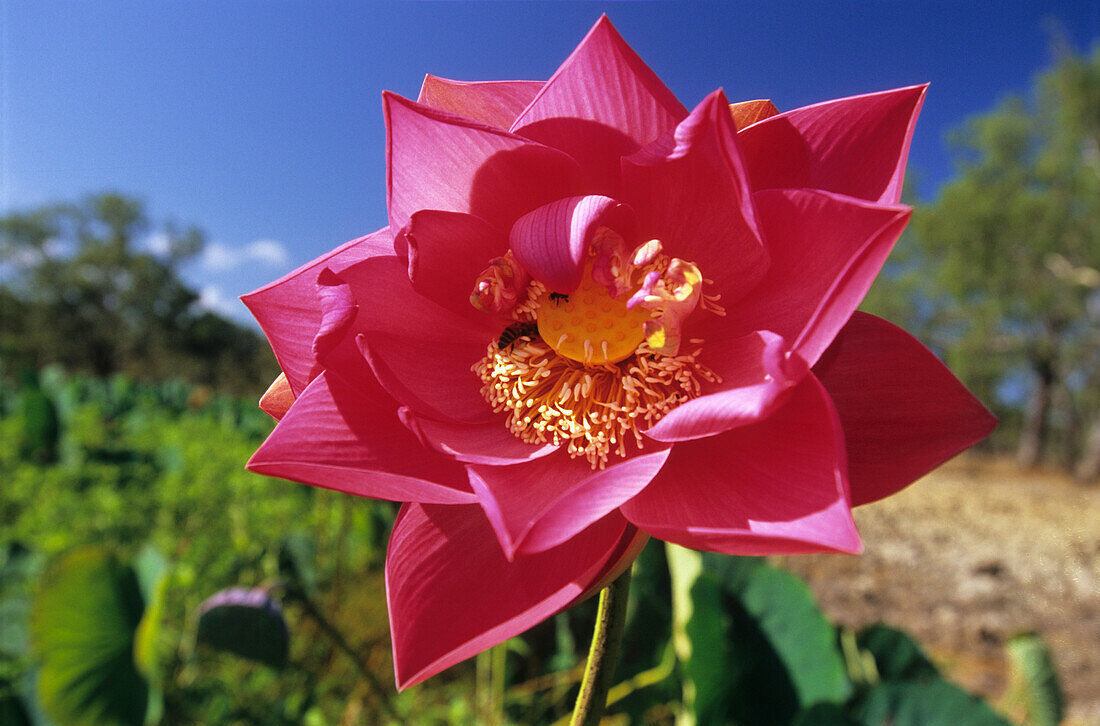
column 969, row 556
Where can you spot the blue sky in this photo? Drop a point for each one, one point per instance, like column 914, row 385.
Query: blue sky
column 261, row 121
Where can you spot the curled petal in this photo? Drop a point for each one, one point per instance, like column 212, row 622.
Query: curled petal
column 603, row 103
column 552, row 241
column 539, row 504
column 856, row 146
column 437, row 160
column 675, row 295
column 496, row 103
column 902, row 411
column 451, row 593
column 338, row 310
column 501, row 286
column 775, row 487
column 289, row 310
column 350, row 439
column 825, row 251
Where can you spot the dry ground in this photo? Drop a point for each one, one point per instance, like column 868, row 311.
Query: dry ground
column 970, row 555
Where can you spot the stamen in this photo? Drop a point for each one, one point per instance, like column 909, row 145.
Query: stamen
column 525, row 309
column 593, row 410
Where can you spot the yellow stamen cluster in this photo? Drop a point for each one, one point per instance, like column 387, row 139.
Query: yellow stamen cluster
column 525, row 310
column 593, row 410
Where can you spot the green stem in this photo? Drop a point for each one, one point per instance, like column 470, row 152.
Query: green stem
column 500, row 656
column 604, row 653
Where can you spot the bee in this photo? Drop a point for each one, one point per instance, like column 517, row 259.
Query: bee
column 514, row 332
column 558, row 297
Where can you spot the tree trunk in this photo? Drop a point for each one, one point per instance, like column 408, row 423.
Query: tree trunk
column 1065, row 412
column 1034, row 433
column 1088, row 467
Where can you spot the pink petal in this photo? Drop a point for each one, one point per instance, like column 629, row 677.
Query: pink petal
column 552, row 241
column 350, row 439
column 855, row 146
column 538, row 504
column 338, row 312
column 690, row 190
column 902, row 411
column 775, row 487
column 452, row 594
column 491, row 443
column 757, row 371
column 437, row 160
column 496, row 103
column 420, row 352
column 825, row 251
column 447, row 251
column 278, row 398
column 628, row 550
column 603, row 103
column 289, row 311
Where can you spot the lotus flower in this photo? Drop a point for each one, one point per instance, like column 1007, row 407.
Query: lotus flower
column 594, row 317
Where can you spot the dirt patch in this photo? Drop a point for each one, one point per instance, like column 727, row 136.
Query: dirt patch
column 970, row 555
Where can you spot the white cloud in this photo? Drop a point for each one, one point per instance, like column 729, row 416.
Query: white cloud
column 213, row 299
column 268, row 251
column 159, row 243
column 218, row 257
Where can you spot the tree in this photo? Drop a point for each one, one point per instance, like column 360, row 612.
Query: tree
column 1016, row 237
column 84, row 294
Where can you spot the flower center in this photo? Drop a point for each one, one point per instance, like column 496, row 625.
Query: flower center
column 591, row 369
column 590, row 326
column 593, row 411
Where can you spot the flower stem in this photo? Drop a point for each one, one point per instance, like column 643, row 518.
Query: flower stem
column 604, row 652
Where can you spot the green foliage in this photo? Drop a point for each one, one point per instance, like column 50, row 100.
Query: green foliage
column 825, row 714
column 83, row 623
column 932, row 703
column 1035, row 679
column 763, row 653
column 41, row 429
column 700, row 635
column 805, row 642
column 897, row 656
column 296, row 561
column 19, row 567
column 753, row 646
column 142, row 464
column 163, row 464
column 12, row 711
column 783, row 647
